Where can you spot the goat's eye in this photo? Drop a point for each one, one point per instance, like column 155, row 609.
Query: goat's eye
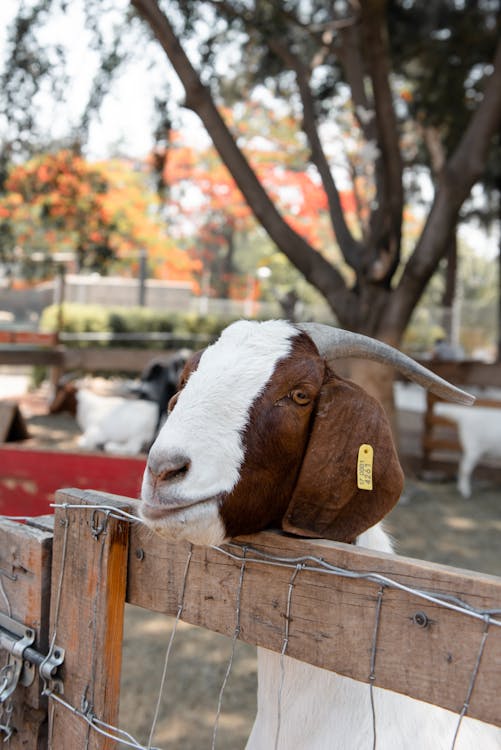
column 299, row 397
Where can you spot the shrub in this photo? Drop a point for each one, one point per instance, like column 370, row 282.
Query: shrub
column 78, row 318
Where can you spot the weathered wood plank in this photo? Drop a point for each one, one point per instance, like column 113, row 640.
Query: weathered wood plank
column 29, row 354
column 25, row 566
column 332, row 618
column 91, row 359
column 87, row 610
column 99, row 359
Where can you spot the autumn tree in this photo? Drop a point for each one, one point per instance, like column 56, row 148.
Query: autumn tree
column 202, row 199
column 320, row 55
column 103, row 213
column 411, row 75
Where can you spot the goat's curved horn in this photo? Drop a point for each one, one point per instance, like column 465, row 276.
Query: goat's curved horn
column 334, row 343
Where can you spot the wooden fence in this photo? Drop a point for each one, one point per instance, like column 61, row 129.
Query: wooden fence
column 438, row 628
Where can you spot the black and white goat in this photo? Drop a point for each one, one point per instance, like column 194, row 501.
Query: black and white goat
column 263, row 433
column 159, row 380
column 125, row 416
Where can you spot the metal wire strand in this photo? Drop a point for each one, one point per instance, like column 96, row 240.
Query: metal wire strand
column 285, row 644
column 236, row 633
column 473, row 679
column 169, row 648
column 372, row 675
column 101, row 727
column 319, row 565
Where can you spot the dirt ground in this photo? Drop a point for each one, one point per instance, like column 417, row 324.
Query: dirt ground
column 431, row 522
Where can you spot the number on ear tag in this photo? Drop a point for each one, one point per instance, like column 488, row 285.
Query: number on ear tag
column 364, row 467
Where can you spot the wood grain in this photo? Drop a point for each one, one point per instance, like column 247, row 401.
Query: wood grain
column 90, row 562
column 333, row 618
column 25, row 566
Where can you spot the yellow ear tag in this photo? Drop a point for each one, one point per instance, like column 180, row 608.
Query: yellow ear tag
column 364, row 467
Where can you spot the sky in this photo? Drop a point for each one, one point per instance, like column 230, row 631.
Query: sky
column 126, row 119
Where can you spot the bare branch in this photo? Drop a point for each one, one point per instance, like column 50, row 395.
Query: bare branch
column 386, row 221
column 350, row 248
column 458, row 176
column 311, row 263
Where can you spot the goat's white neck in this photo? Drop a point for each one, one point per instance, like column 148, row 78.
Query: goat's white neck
column 320, row 710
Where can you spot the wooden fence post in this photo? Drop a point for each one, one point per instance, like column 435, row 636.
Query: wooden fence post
column 25, row 560
column 87, row 609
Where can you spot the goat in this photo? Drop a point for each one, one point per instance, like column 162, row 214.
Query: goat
column 158, row 381
column 479, row 434
column 263, row 433
column 115, row 424
column 125, row 423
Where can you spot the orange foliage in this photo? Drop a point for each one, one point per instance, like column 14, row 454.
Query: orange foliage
column 204, row 200
column 104, row 212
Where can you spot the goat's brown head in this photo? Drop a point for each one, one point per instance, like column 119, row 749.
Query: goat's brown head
column 262, row 432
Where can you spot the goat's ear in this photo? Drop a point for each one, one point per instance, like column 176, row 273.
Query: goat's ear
column 327, row 502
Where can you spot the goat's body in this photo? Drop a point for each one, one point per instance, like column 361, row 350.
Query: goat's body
column 118, row 425
column 479, row 432
column 321, row 710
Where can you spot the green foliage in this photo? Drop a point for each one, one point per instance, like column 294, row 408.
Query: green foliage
column 78, row 318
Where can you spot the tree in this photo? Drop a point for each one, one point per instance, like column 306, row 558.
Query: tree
column 103, row 213
column 324, row 51
column 405, row 92
column 206, row 211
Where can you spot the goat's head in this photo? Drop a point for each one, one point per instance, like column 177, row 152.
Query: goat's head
column 262, row 432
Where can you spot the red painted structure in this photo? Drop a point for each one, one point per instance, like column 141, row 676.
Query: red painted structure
column 29, row 478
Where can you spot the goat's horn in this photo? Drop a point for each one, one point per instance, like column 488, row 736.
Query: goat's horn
column 334, row 343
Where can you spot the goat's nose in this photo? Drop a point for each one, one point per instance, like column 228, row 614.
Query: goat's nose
column 168, row 470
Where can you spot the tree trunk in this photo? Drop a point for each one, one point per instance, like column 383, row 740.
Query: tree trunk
column 449, row 295
column 377, row 380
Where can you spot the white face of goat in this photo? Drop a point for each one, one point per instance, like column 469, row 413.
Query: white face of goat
column 229, row 458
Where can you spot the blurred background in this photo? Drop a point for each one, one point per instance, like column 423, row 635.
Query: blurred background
column 168, row 166
column 337, row 162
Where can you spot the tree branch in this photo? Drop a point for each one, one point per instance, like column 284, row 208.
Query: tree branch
column 316, row 269
column 386, row 221
column 458, row 176
column 350, row 248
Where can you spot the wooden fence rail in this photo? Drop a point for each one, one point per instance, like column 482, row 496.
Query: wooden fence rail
column 430, row 626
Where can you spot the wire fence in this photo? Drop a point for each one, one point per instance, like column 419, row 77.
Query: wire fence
column 246, row 557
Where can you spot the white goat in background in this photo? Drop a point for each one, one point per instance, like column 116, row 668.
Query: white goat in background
column 115, row 424
column 479, row 432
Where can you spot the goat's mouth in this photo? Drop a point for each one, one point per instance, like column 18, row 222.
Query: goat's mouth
column 156, row 511
column 199, row 522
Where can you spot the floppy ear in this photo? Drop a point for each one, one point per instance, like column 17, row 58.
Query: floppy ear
column 327, row 501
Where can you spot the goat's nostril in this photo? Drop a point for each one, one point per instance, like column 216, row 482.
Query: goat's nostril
column 168, row 474
column 170, row 471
